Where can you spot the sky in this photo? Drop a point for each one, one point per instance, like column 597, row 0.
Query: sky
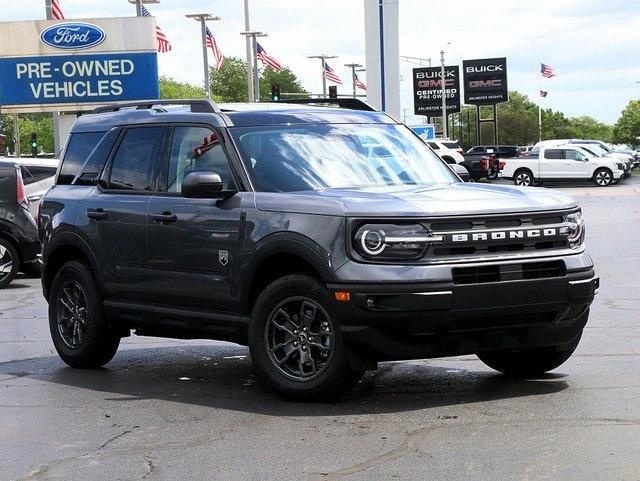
column 593, row 45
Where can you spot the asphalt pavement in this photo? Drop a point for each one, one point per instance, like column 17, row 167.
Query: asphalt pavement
column 183, row 410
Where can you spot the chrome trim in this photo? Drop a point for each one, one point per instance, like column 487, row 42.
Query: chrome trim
column 401, row 240
column 434, row 293
column 583, row 281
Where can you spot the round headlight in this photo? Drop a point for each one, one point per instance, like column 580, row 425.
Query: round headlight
column 576, row 228
column 372, row 241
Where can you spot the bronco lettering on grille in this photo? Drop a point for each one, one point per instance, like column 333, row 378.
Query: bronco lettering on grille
column 505, row 235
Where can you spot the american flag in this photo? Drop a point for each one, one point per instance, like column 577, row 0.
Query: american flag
column 56, row 11
column 163, row 44
column 266, row 59
column 330, row 75
column 543, row 93
column 217, row 53
column 358, row 83
column 546, row 71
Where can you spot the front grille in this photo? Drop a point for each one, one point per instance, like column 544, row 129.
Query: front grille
column 508, row 272
column 481, row 224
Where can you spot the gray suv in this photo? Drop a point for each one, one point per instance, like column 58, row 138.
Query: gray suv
column 278, row 226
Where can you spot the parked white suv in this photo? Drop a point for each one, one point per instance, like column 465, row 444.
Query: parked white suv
column 448, row 150
column 563, row 162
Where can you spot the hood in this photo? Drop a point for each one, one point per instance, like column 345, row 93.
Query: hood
column 411, row 201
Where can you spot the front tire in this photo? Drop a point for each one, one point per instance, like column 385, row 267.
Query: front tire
column 295, row 341
column 9, row 262
column 523, row 177
column 80, row 334
column 603, row 177
column 533, row 362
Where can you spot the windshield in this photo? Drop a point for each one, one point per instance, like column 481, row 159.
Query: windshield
column 337, row 156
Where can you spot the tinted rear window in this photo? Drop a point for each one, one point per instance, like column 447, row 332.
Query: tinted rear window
column 133, row 163
column 39, row 173
column 433, row 145
column 78, row 149
column 451, row 145
column 553, row 154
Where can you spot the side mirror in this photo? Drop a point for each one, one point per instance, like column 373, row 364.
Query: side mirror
column 203, row 185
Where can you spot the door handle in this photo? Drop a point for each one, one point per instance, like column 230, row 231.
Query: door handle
column 97, row 214
column 164, row 217
column 34, row 198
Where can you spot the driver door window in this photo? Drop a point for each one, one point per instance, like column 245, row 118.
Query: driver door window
column 193, row 149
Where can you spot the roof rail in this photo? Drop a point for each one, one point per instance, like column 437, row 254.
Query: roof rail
column 345, row 103
column 197, row 105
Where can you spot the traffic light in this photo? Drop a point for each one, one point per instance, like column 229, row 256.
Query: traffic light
column 34, row 144
column 275, row 92
column 333, row 91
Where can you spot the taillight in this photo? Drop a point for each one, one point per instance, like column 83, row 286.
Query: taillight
column 21, row 195
column 501, row 165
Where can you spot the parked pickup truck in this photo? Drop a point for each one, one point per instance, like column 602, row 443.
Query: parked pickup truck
column 563, row 162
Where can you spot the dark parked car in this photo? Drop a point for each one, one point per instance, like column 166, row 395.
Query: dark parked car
column 323, row 238
column 19, row 243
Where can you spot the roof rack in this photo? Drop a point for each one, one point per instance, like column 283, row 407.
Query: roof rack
column 345, row 103
column 197, row 105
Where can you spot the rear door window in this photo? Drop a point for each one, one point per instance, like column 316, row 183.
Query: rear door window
column 451, row 145
column 433, row 145
column 553, row 154
column 133, row 165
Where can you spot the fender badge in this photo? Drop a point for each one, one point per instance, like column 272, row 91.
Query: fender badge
column 223, row 257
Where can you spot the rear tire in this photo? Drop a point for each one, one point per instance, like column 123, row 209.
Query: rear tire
column 80, row 334
column 523, row 177
column 527, row 363
column 9, row 262
column 603, row 177
column 296, row 343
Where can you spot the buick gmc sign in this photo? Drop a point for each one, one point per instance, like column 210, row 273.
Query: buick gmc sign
column 72, row 35
column 485, row 81
column 427, row 90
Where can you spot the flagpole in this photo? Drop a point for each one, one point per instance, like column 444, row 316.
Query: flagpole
column 540, row 106
column 250, row 91
column 202, row 18
column 353, row 66
column 57, row 147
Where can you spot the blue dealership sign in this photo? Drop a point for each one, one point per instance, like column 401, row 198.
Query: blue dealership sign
column 426, row 132
column 72, row 35
column 90, row 78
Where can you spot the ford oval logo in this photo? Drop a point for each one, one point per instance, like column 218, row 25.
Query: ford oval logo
column 72, row 35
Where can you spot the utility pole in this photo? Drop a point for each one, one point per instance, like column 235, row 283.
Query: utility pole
column 203, row 18
column 16, row 136
column 56, row 115
column 323, row 59
column 444, row 97
column 247, row 42
column 253, row 36
column 353, row 66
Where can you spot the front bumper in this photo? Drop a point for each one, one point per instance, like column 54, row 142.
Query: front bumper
column 409, row 321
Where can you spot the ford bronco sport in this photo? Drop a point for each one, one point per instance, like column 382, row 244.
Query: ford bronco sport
column 277, row 227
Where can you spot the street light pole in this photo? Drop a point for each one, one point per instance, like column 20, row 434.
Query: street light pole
column 252, row 36
column 203, row 18
column 444, row 98
column 353, row 66
column 323, row 60
column 247, row 40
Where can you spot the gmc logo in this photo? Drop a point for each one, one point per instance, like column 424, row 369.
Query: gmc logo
column 504, row 235
column 430, row 84
column 485, row 83
column 484, row 68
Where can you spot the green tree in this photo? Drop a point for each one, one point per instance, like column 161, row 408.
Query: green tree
column 229, row 84
column 39, row 123
column 627, row 128
column 172, row 89
column 586, row 127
